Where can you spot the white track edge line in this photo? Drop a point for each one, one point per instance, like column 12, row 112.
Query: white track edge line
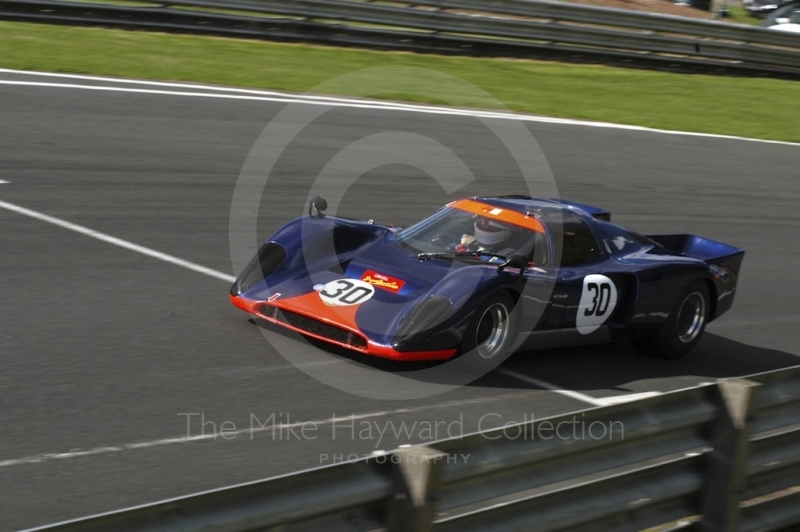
column 602, row 401
column 627, row 398
column 547, row 386
column 117, row 242
column 43, row 457
column 367, row 104
column 220, row 88
column 279, row 99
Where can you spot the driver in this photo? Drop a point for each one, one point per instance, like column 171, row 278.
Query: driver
column 488, row 236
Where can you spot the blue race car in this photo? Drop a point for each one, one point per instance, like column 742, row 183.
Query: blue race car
column 476, row 276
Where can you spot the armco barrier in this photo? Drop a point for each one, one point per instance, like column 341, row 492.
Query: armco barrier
column 723, row 457
column 327, row 498
column 518, row 28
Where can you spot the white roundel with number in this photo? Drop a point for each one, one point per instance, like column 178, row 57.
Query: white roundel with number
column 346, row 292
column 598, row 300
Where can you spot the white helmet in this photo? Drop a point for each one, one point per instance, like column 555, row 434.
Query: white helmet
column 489, row 233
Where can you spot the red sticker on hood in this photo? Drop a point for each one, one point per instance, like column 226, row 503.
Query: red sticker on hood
column 386, row 282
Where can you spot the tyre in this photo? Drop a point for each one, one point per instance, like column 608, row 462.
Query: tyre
column 491, row 332
column 686, row 322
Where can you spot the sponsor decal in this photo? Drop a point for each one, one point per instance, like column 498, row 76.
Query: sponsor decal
column 273, row 297
column 319, row 287
column 346, row 292
column 386, row 282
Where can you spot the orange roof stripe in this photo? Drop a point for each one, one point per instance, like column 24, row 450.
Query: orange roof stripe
column 498, row 213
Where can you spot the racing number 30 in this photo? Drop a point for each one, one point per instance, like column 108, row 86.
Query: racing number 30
column 344, row 292
column 601, row 297
column 598, row 300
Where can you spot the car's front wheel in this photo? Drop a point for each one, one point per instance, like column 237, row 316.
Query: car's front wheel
column 490, row 334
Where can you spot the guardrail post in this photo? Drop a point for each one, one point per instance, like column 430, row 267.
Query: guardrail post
column 717, row 8
column 727, row 461
column 417, row 471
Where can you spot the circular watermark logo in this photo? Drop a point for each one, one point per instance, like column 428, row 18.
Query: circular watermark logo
column 337, row 148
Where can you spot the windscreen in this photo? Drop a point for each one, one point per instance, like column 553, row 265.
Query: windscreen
column 455, row 230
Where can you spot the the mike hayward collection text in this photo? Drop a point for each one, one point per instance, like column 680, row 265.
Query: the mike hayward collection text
column 493, row 426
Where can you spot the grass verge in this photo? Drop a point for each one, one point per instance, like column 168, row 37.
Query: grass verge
column 742, row 16
column 749, row 107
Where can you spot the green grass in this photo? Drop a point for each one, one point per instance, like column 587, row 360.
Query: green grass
column 741, row 15
column 128, row 3
column 711, row 104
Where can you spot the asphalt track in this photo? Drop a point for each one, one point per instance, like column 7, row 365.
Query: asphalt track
column 102, row 347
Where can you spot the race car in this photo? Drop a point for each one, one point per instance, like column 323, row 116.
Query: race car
column 481, row 273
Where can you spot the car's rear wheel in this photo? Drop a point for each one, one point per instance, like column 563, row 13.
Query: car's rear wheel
column 686, row 322
column 489, row 335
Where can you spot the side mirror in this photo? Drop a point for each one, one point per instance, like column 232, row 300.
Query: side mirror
column 515, row 260
column 782, row 20
column 316, row 207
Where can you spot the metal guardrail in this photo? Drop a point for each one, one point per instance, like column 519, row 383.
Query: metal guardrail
column 723, row 457
column 518, row 28
column 328, row 498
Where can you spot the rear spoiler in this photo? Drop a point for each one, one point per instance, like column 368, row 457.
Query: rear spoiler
column 596, row 212
column 705, row 249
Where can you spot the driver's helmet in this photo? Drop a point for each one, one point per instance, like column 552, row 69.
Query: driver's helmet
column 490, row 233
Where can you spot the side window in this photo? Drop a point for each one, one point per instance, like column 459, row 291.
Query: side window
column 578, row 244
column 619, row 240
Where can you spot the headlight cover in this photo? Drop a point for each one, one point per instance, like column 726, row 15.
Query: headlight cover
column 421, row 323
column 268, row 259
